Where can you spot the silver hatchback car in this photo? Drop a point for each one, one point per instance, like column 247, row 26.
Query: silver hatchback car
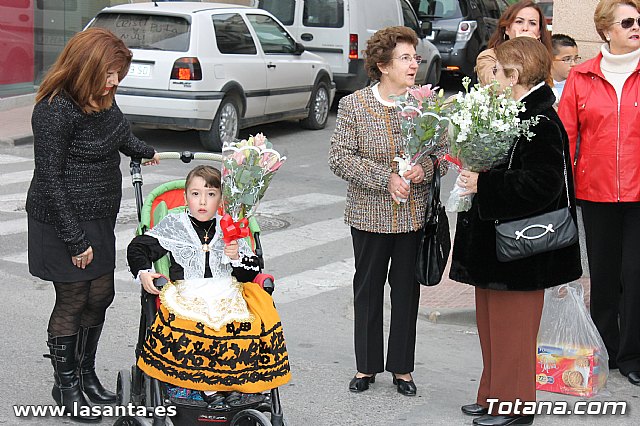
column 216, row 68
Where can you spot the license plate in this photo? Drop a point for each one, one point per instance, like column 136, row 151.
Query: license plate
column 140, row 70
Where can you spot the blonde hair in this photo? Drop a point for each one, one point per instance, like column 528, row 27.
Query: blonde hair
column 81, row 69
column 603, row 16
column 528, row 56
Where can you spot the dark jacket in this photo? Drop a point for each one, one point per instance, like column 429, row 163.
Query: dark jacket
column 533, row 185
column 77, row 166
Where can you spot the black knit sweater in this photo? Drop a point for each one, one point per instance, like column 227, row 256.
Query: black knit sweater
column 77, row 166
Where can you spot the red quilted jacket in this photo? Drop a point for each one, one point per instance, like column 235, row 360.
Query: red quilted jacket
column 607, row 167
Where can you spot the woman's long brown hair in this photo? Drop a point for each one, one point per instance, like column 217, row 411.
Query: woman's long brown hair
column 509, row 15
column 81, row 69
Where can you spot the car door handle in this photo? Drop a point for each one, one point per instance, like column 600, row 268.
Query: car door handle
column 271, row 65
column 306, row 37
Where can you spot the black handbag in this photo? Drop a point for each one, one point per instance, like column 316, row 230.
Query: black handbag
column 435, row 243
column 518, row 239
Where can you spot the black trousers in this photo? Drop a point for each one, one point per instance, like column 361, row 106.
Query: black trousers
column 373, row 252
column 612, row 233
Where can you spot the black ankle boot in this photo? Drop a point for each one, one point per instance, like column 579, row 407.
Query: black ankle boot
column 89, row 381
column 66, row 389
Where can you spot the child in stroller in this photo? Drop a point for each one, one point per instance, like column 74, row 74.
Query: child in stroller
column 215, row 331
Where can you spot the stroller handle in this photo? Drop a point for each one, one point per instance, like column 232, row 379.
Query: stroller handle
column 187, row 156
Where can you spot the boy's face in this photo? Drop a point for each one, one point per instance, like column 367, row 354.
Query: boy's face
column 559, row 68
column 203, row 202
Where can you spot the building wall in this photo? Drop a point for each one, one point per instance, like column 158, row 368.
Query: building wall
column 575, row 18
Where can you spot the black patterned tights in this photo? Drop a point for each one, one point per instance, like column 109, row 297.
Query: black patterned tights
column 82, row 303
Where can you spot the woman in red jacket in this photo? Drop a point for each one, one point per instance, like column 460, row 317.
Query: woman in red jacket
column 599, row 109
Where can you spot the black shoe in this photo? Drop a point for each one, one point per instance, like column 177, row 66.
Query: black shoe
column 239, row 399
column 500, row 420
column 361, row 384
column 405, row 387
column 474, row 410
column 214, row 399
column 634, row 378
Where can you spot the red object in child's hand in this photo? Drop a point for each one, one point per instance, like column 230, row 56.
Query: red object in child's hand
column 233, row 230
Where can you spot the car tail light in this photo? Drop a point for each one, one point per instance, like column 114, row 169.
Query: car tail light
column 353, row 46
column 186, row 69
column 465, row 30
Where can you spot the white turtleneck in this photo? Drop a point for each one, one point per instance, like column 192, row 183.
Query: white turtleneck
column 617, row 68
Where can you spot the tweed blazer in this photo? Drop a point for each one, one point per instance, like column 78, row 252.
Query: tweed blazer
column 366, row 140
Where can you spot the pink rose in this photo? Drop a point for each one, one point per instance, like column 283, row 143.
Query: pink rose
column 238, row 157
column 409, row 113
column 259, row 140
column 422, row 93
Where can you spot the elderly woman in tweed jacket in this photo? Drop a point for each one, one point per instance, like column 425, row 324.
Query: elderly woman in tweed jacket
column 385, row 232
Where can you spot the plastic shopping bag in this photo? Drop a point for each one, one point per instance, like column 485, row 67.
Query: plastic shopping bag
column 571, row 358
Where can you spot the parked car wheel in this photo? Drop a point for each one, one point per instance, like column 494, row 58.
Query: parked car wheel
column 225, row 125
column 318, row 108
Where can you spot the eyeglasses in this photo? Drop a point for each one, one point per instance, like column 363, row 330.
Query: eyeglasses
column 569, row 59
column 407, row 59
column 627, row 23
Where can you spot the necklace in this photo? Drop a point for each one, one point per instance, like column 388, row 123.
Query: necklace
column 205, row 246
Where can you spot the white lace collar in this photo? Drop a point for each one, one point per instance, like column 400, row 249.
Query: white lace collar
column 176, row 234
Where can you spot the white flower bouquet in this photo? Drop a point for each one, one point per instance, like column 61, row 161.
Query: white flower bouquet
column 484, row 126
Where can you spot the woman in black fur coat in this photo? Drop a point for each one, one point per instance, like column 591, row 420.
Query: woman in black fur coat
column 510, row 295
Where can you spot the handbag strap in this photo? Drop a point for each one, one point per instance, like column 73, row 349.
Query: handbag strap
column 433, row 198
column 564, row 164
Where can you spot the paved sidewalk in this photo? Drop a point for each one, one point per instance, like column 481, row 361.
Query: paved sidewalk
column 15, row 126
column 453, row 302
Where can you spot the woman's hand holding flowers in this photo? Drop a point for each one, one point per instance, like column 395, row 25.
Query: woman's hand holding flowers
column 415, row 174
column 398, row 188
column 469, row 181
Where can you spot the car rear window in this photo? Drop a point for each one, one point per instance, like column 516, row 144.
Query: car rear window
column 323, row 13
column 441, row 9
column 149, row 32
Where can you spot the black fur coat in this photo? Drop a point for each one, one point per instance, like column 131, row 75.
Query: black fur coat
column 533, row 185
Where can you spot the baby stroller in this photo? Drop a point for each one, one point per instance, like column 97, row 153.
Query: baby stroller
column 159, row 403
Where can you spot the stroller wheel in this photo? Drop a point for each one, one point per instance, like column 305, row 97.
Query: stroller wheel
column 250, row 417
column 123, row 388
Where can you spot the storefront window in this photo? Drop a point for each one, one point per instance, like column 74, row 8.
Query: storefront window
column 32, row 35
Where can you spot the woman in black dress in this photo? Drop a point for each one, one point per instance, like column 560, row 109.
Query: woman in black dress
column 73, row 201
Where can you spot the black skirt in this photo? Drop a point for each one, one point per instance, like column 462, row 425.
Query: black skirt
column 50, row 260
